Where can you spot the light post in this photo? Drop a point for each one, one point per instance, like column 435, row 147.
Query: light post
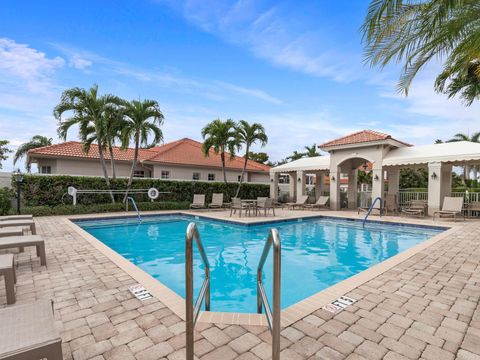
column 18, row 179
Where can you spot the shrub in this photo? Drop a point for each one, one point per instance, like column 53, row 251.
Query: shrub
column 6, row 197
column 38, row 190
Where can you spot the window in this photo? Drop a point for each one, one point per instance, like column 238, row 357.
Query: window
column 165, row 174
column 211, row 177
column 239, row 178
column 139, row 173
column 45, row 169
column 196, row 176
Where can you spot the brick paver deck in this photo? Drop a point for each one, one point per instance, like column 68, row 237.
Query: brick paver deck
column 425, row 308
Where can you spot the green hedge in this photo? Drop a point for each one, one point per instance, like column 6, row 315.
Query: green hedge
column 100, row 208
column 6, row 197
column 38, row 190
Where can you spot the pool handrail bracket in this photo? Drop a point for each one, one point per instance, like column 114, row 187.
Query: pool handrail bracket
column 273, row 316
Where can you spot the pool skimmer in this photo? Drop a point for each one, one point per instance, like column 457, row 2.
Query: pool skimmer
column 339, row 304
column 140, row 292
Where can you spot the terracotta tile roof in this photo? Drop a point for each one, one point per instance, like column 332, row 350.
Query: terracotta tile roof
column 363, row 136
column 183, row 152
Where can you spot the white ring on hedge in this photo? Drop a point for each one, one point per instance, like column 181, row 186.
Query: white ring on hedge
column 72, row 191
column 153, row 193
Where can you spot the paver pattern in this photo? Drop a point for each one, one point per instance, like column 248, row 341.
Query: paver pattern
column 425, row 308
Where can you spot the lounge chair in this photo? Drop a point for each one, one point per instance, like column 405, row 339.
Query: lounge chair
column 7, row 269
column 266, row 204
column 452, row 206
column 416, row 208
column 29, row 222
column 238, row 205
column 301, row 200
column 16, row 217
column 321, row 203
column 28, row 331
column 391, row 204
column 11, row 231
column 217, row 201
column 198, row 201
column 27, row 240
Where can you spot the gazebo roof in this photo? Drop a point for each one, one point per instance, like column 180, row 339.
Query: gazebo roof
column 363, row 137
column 305, row 164
column 452, row 152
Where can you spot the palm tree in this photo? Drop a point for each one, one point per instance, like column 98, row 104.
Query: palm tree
column 311, row 151
column 249, row 134
column 142, row 119
column 295, row 156
column 88, row 111
column 465, row 137
column 35, row 142
column 460, row 78
column 4, row 150
column 220, row 136
column 415, row 32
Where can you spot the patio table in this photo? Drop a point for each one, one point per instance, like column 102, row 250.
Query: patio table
column 252, row 203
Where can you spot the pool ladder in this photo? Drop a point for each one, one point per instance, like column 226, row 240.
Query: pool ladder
column 192, row 310
column 371, row 208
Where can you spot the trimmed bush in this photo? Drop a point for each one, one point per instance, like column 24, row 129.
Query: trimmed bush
column 6, row 197
column 38, row 190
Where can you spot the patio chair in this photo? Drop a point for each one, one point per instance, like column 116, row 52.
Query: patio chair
column 238, row 205
column 28, row 331
column 11, row 231
column 301, row 200
column 391, row 204
column 16, row 217
column 198, row 201
column 217, row 201
column 266, row 204
column 452, row 206
column 7, row 269
column 416, row 208
column 321, row 203
column 28, row 222
column 10, row 242
column 473, row 207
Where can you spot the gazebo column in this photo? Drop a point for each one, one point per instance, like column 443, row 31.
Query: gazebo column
column 378, row 183
column 352, row 189
column 319, row 184
column 301, row 183
column 335, row 188
column 393, row 176
column 439, row 185
column 292, row 185
column 274, row 185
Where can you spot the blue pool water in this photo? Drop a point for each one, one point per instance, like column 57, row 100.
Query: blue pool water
column 316, row 253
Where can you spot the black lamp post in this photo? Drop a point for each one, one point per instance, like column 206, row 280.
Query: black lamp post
column 18, row 179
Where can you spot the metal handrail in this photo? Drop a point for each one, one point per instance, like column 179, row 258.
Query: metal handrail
column 371, row 208
column 192, row 311
column 273, row 317
column 132, row 200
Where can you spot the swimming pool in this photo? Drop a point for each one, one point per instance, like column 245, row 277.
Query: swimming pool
column 316, row 253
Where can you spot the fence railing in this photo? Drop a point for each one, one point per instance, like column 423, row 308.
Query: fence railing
column 405, row 197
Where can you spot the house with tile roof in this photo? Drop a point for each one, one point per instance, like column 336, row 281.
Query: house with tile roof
column 178, row 160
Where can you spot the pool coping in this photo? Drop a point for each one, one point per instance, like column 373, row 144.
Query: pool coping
column 289, row 315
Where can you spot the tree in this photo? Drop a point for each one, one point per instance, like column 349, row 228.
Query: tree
column 220, row 136
column 259, row 157
column 465, row 137
column 4, row 150
column 35, row 142
column 88, row 111
column 415, row 32
column 295, row 156
column 249, row 134
column 312, row 151
column 413, row 178
column 142, row 119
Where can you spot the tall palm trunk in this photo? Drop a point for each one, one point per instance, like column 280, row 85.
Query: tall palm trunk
column 112, row 162
column 222, row 156
column 134, row 164
column 243, row 171
column 104, row 169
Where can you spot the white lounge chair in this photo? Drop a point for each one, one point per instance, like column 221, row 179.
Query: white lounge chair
column 452, row 206
column 321, row 203
column 301, row 200
column 16, row 223
column 217, row 201
column 10, row 242
column 11, row 231
column 16, row 217
column 7, row 269
column 28, row 331
column 198, row 201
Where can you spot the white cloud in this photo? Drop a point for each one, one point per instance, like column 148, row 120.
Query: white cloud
column 30, row 65
column 79, row 62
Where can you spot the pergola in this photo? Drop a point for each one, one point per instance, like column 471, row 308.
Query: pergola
column 387, row 156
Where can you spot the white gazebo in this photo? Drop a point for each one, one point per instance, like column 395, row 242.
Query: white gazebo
column 386, row 156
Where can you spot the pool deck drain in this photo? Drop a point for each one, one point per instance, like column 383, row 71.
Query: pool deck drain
column 425, row 306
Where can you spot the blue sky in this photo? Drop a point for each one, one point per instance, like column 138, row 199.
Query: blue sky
column 294, row 66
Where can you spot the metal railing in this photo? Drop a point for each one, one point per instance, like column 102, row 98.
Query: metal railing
column 371, row 208
column 405, row 197
column 273, row 317
column 193, row 310
column 134, row 204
